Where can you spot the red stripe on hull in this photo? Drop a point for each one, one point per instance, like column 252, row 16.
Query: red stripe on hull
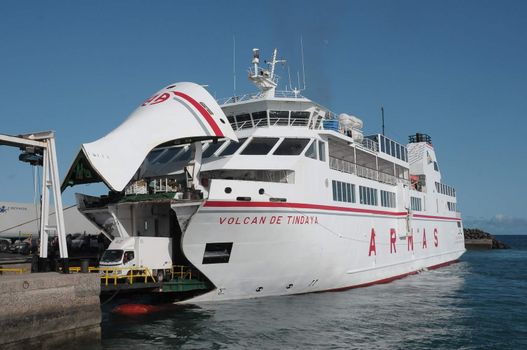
column 435, row 217
column 231, row 204
column 203, row 111
column 390, row 279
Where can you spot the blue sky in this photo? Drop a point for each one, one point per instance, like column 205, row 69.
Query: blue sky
column 453, row 69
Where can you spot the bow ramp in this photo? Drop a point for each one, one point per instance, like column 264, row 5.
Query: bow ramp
column 179, row 113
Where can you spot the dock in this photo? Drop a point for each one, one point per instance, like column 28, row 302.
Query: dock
column 43, row 310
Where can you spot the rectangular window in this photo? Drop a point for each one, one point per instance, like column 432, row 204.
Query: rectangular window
column 312, row 150
column 259, row 146
column 368, row 195
column 260, row 118
column 291, row 147
column 382, row 144
column 392, row 148
column 398, row 151
column 217, row 253
column 232, row 147
column 321, row 151
column 279, row 117
column 213, row 147
column 416, row 203
column 343, row 192
column 388, row 199
column 244, row 121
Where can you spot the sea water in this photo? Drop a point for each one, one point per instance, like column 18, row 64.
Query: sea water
column 478, row 303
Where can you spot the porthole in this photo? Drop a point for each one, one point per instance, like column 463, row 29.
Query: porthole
column 228, row 190
column 261, row 191
column 221, row 120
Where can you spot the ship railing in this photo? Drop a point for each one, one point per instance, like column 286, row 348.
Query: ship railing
column 370, row 144
column 341, row 165
column 248, row 97
column 362, row 171
column 270, row 122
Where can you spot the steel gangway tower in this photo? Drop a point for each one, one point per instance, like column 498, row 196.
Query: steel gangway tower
column 39, row 149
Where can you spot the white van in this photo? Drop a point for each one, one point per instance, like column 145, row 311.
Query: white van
column 154, row 253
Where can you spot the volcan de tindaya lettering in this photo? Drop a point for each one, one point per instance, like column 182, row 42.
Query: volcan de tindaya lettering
column 266, row 194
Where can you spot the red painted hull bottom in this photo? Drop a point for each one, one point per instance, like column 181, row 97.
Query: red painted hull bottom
column 390, row 279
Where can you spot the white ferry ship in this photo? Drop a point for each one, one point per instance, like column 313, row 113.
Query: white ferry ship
column 271, row 193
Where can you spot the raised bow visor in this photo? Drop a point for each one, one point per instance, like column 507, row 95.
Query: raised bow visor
column 179, row 113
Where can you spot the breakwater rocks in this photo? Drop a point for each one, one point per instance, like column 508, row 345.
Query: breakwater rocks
column 479, row 239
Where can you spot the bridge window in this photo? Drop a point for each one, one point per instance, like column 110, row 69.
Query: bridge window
column 321, row 151
column 232, row 147
column 368, row 195
column 244, row 121
column 291, row 147
column 279, row 117
column 259, row 146
column 260, row 118
column 299, row 118
column 312, row 150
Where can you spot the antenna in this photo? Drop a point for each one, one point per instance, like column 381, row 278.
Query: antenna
column 303, row 68
column 289, row 73
column 234, row 65
column 382, row 118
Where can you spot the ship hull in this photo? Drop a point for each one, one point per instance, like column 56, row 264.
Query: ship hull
column 286, row 250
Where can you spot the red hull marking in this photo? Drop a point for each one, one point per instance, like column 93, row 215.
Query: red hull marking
column 203, row 112
column 232, row 204
column 390, row 279
column 435, row 217
column 297, row 205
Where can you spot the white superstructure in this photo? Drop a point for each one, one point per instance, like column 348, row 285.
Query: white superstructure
column 271, row 194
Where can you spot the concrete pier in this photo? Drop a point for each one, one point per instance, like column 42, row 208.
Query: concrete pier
column 43, row 310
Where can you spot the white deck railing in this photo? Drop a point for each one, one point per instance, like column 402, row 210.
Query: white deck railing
column 362, row 171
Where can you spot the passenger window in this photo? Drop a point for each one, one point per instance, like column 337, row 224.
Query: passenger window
column 185, row 155
column 213, row 147
column 168, row 154
column 232, row 147
column 259, row 146
column 291, row 147
column 321, row 151
column 312, row 150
